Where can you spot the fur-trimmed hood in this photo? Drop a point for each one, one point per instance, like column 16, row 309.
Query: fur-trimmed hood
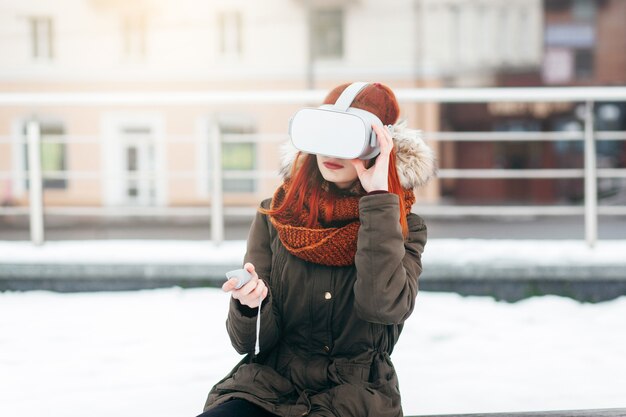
column 415, row 161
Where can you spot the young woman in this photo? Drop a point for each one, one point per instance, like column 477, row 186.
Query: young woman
column 335, row 258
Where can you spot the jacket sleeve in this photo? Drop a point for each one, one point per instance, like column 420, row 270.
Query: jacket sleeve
column 241, row 321
column 388, row 267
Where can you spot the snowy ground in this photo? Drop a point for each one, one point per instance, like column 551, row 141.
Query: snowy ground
column 451, row 252
column 156, row 353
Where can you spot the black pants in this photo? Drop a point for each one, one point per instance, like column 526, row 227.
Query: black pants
column 237, row 408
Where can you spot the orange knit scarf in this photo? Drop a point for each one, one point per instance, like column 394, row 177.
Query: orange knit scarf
column 327, row 243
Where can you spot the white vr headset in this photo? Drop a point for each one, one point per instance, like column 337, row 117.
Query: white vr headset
column 336, row 130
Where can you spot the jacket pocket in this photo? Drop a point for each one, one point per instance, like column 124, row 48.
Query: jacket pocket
column 346, row 372
column 260, row 381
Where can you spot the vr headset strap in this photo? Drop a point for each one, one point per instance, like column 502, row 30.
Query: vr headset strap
column 347, row 97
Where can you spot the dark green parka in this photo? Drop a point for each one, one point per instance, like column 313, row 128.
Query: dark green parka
column 327, row 332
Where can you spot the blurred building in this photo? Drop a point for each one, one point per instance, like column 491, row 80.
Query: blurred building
column 583, row 43
column 192, row 45
column 469, row 43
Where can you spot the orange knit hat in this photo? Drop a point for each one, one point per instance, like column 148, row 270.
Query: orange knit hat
column 375, row 98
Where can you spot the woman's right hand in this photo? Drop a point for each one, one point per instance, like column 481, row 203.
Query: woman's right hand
column 376, row 177
column 249, row 294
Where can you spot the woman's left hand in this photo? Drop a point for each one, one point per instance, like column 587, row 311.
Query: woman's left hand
column 376, row 177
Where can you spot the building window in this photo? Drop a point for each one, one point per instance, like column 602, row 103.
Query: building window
column 557, row 5
column 134, row 36
column 42, row 37
column 53, row 155
column 456, row 35
column 522, row 40
column 502, row 41
column 558, row 66
column 132, row 190
column 327, row 33
column 139, row 164
column 485, row 38
column 584, row 10
column 583, row 63
column 238, row 155
column 230, row 27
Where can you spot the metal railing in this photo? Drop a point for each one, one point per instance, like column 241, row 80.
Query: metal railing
column 590, row 173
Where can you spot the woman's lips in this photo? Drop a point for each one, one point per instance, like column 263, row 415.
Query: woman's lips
column 330, row 165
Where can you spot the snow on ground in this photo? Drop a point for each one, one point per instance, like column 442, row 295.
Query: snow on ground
column 451, row 252
column 157, row 353
column 123, row 251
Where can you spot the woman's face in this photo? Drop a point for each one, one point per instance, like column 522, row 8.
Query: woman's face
column 338, row 171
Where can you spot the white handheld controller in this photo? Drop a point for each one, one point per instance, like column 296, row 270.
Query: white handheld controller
column 241, row 274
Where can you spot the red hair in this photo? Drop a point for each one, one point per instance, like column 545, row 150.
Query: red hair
column 306, row 178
